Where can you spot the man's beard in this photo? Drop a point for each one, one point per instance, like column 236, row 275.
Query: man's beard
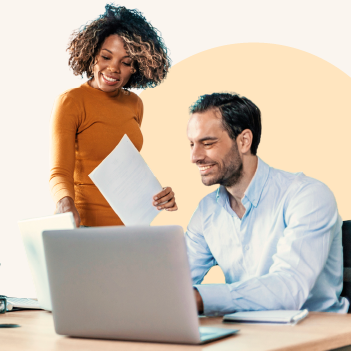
column 230, row 171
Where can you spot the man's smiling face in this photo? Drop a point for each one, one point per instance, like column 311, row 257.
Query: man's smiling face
column 212, row 150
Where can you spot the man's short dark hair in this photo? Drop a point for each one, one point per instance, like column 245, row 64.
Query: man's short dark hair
column 238, row 113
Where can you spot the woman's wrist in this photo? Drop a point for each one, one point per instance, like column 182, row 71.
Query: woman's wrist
column 64, row 205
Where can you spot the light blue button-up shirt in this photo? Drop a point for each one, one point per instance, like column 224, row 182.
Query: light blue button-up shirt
column 285, row 252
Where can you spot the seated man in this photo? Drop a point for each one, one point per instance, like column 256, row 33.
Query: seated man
column 276, row 235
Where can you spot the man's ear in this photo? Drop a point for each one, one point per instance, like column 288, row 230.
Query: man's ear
column 244, row 141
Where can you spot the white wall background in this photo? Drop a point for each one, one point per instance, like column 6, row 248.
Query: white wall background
column 34, row 70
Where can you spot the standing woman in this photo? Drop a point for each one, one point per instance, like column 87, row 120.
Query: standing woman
column 117, row 51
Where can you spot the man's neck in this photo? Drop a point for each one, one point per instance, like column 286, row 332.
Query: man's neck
column 237, row 191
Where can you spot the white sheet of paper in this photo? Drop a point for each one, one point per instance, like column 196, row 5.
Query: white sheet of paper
column 127, row 184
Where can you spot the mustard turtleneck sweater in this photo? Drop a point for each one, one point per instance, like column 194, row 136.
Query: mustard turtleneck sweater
column 87, row 124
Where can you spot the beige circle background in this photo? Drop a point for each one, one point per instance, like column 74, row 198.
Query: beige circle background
column 306, row 124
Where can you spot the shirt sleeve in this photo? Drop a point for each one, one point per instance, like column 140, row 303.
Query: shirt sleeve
column 64, row 126
column 199, row 254
column 311, row 218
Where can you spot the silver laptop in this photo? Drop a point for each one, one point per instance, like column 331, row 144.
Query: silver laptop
column 31, row 231
column 127, row 283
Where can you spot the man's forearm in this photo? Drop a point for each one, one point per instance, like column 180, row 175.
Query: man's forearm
column 199, row 302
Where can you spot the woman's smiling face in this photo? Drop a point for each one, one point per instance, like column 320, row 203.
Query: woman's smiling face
column 113, row 66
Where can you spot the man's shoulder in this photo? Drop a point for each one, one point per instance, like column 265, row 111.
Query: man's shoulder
column 304, row 185
column 209, row 201
column 298, row 184
column 280, row 175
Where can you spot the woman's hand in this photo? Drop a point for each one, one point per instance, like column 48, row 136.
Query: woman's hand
column 66, row 204
column 165, row 200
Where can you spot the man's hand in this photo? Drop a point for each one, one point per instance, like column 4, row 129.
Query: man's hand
column 66, row 204
column 165, row 200
column 199, row 302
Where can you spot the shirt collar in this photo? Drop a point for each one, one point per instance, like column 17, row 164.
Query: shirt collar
column 255, row 188
column 222, row 195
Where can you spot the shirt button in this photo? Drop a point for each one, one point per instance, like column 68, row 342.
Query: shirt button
column 247, row 247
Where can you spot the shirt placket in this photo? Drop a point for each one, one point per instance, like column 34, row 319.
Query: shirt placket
column 245, row 236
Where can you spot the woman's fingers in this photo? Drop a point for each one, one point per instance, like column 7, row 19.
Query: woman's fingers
column 66, row 204
column 167, row 204
column 76, row 218
column 165, row 200
column 162, row 193
column 174, row 208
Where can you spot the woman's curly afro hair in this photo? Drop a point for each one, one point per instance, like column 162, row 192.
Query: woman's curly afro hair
column 142, row 43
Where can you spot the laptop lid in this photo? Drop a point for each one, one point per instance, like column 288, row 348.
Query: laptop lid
column 31, row 231
column 130, row 283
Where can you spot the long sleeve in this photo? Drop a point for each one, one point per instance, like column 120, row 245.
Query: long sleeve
column 199, row 255
column 311, row 218
column 64, row 125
